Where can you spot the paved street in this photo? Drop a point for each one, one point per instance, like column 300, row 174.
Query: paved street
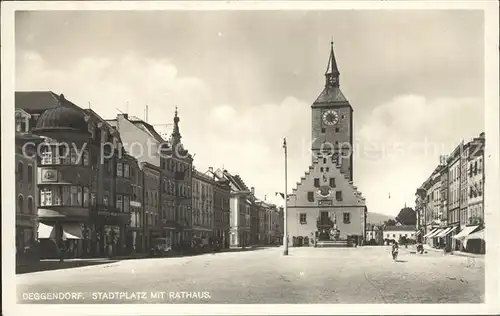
column 307, row 275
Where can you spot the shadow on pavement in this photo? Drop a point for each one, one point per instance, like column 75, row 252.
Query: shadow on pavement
column 401, row 261
column 56, row 265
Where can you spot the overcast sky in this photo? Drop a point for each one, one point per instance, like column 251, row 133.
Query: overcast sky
column 244, row 80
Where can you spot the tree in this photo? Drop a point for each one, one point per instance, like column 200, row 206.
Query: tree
column 390, row 222
column 407, row 216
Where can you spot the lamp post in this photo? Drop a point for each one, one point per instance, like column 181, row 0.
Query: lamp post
column 285, row 215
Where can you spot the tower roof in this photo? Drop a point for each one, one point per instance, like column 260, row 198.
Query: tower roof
column 331, row 93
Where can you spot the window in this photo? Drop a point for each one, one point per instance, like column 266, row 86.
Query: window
column 74, row 157
column 79, row 200
column 93, row 199
column 338, row 195
column 45, row 197
column 119, row 204
column 303, row 218
column 126, row 171
column 126, row 204
column 323, row 130
column 393, row 235
column 337, row 129
column 347, row 218
column 119, row 169
column 85, row 157
column 105, row 200
column 74, row 195
column 332, row 182
column 85, row 196
column 324, row 160
column 327, row 169
column 66, row 195
column 20, row 204
column 20, row 171
column 30, row 205
column 310, row 196
column 316, row 182
column 30, row 174
column 321, row 169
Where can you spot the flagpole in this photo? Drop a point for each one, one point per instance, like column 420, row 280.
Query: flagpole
column 285, row 213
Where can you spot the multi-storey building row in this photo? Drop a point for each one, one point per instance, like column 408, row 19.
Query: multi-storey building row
column 87, row 186
column 450, row 202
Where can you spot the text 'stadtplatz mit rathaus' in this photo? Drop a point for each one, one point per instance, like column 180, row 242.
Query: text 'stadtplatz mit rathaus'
column 79, row 198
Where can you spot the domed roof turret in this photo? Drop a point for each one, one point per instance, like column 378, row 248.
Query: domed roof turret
column 63, row 118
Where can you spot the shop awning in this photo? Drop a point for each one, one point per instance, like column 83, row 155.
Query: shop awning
column 46, row 231
column 476, row 235
column 465, row 232
column 72, row 231
column 446, row 232
column 437, row 232
column 431, row 232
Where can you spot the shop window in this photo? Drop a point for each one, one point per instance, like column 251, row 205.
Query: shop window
column 74, row 195
column 85, row 157
column 126, row 204
column 74, row 157
column 93, row 199
column 105, row 200
column 79, row 199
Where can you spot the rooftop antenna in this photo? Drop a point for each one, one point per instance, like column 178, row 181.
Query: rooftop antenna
column 146, row 113
column 89, row 105
column 120, row 111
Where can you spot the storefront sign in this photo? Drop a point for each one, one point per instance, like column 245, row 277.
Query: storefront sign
column 135, row 204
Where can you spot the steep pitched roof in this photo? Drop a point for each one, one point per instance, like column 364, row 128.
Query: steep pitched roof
column 40, row 101
column 330, row 94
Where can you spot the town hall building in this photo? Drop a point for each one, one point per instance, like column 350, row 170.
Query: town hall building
column 325, row 204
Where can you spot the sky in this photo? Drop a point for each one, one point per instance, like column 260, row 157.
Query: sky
column 243, row 80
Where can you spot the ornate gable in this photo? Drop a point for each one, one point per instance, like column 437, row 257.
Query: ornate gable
column 329, row 186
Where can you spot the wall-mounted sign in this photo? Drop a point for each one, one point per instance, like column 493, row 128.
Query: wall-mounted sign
column 135, row 204
column 325, row 202
column 49, row 175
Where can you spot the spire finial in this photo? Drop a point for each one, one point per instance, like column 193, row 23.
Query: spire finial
column 332, row 73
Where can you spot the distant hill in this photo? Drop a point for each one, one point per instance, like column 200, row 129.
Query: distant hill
column 377, row 218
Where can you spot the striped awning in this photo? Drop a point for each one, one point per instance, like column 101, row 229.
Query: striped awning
column 437, row 232
column 465, row 232
column 72, row 231
column 476, row 235
column 431, row 232
column 446, row 232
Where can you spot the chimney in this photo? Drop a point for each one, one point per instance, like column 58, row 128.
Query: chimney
column 123, row 116
column 253, row 190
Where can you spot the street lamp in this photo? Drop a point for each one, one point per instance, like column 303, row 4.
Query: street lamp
column 285, row 228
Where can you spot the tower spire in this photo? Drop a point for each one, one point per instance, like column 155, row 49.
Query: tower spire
column 332, row 72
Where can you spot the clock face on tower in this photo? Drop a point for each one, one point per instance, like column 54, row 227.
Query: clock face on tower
column 330, row 117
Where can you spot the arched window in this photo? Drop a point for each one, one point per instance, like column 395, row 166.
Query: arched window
column 20, row 170
column 30, row 174
column 20, row 203
column 30, row 205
